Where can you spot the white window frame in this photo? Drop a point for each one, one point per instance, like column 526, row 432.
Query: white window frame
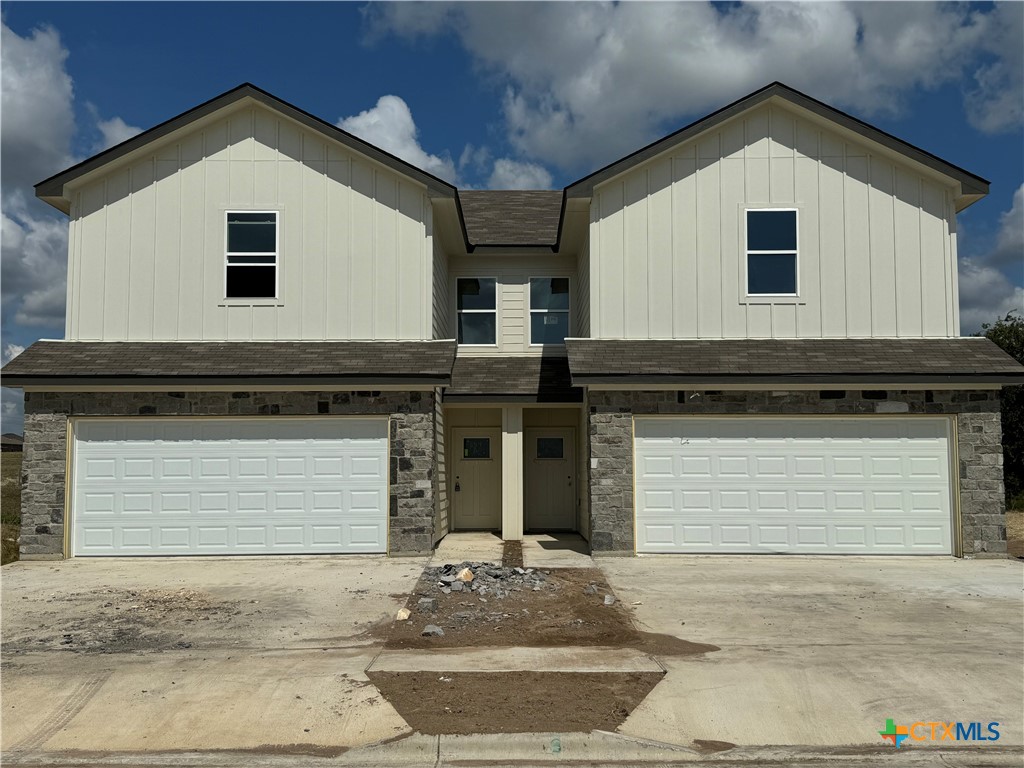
column 530, row 310
column 747, row 254
column 276, row 254
column 495, row 312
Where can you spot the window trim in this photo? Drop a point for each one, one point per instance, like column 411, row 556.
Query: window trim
column 530, row 310
column 490, row 453
column 495, row 311
column 745, row 272
column 246, row 300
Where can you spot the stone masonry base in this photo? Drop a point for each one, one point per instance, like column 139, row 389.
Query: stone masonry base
column 412, row 460
column 979, row 444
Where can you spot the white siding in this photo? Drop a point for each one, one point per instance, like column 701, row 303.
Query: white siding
column 877, row 242
column 581, row 293
column 513, row 273
column 147, row 244
column 442, row 327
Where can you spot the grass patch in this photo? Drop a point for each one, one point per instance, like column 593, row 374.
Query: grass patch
column 10, row 505
column 1015, row 532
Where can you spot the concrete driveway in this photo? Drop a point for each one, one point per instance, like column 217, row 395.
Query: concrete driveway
column 184, row 654
column 822, row 650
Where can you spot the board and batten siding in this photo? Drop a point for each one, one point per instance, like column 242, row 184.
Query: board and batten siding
column 147, row 241
column 513, row 273
column 877, row 239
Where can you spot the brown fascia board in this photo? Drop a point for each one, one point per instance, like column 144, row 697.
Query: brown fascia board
column 51, row 190
column 368, row 380
column 782, row 379
column 973, row 187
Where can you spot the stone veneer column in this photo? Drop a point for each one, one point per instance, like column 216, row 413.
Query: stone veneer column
column 610, row 442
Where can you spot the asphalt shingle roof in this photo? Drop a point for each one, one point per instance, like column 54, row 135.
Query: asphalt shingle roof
column 426, row 360
column 543, row 378
column 965, row 358
column 511, row 217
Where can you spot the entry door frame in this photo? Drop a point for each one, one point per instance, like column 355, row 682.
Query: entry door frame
column 568, row 435
column 458, row 433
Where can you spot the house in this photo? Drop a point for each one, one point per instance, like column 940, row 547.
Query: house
column 11, row 442
column 741, row 338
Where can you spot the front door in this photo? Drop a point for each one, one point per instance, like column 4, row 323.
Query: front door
column 476, row 481
column 550, row 479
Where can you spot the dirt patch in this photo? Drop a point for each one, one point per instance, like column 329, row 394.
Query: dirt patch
column 547, row 608
column 512, row 554
column 120, row 621
column 1015, row 533
column 514, row 702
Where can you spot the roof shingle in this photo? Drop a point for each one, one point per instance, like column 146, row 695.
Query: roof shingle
column 512, row 217
column 425, row 361
column 951, row 360
column 543, row 379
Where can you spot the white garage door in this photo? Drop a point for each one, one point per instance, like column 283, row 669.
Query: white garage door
column 801, row 485
column 181, row 486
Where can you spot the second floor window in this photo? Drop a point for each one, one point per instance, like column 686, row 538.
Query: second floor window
column 549, row 310
column 771, row 253
column 477, row 309
column 252, row 251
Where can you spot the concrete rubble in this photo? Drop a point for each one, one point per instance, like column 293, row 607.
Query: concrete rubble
column 482, row 579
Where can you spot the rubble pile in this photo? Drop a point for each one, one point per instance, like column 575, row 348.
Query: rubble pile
column 486, row 579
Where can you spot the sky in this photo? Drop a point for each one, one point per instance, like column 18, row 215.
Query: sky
column 503, row 95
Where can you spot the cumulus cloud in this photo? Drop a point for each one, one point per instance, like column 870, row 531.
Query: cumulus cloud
column 11, row 351
column 588, row 82
column 114, row 131
column 986, row 292
column 390, row 126
column 513, row 174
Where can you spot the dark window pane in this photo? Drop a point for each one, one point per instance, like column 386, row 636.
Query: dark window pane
column 252, row 259
column 476, row 328
column 771, row 230
column 476, row 293
column 252, row 232
column 771, row 273
column 549, row 327
column 251, row 283
column 476, row 447
column 549, row 448
column 549, row 293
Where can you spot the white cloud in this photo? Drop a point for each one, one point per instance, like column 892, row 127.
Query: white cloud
column 986, row 293
column 33, row 263
column 389, row 125
column 995, row 103
column 513, row 174
column 588, row 82
column 11, row 351
column 114, row 131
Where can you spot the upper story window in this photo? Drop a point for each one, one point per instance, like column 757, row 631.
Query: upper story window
column 549, row 310
column 477, row 310
column 252, row 251
column 772, row 253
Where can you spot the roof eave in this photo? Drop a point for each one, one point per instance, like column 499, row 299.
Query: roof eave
column 781, row 379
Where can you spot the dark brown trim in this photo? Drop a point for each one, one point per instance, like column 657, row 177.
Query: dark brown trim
column 568, row 396
column 783, row 379
column 171, row 383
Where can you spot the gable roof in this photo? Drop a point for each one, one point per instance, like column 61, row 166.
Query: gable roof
column 52, row 189
column 511, row 217
column 972, row 187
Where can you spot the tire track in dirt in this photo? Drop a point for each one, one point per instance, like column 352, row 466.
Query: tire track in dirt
column 63, row 714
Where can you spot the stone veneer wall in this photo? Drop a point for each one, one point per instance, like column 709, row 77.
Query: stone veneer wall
column 411, row 506
column 610, row 442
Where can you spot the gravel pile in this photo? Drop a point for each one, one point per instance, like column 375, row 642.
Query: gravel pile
column 487, row 579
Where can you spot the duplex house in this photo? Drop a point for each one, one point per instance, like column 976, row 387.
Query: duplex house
column 743, row 337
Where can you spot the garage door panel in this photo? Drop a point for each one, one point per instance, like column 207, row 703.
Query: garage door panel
column 813, row 485
column 219, row 486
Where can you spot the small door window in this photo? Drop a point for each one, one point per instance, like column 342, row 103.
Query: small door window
column 550, row 448
column 476, row 447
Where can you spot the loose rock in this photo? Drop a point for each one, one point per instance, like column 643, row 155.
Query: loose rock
column 403, row 614
column 432, row 630
column 426, row 605
column 609, row 599
column 464, row 575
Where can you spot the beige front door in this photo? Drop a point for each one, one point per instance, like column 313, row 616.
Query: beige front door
column 476, row 481
column 550, row 479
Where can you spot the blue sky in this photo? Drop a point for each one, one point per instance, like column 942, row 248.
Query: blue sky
column 502, row 95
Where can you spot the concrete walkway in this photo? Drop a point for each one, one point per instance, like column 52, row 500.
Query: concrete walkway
column 564, row 659
column 468, row 546
column 540, row 550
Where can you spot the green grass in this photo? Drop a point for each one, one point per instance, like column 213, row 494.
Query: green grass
column 10, row 505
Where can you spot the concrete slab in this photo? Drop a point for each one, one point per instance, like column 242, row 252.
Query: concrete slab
column 821, row 651
column 468, row 546
column 556, row 550
column 567, row 659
